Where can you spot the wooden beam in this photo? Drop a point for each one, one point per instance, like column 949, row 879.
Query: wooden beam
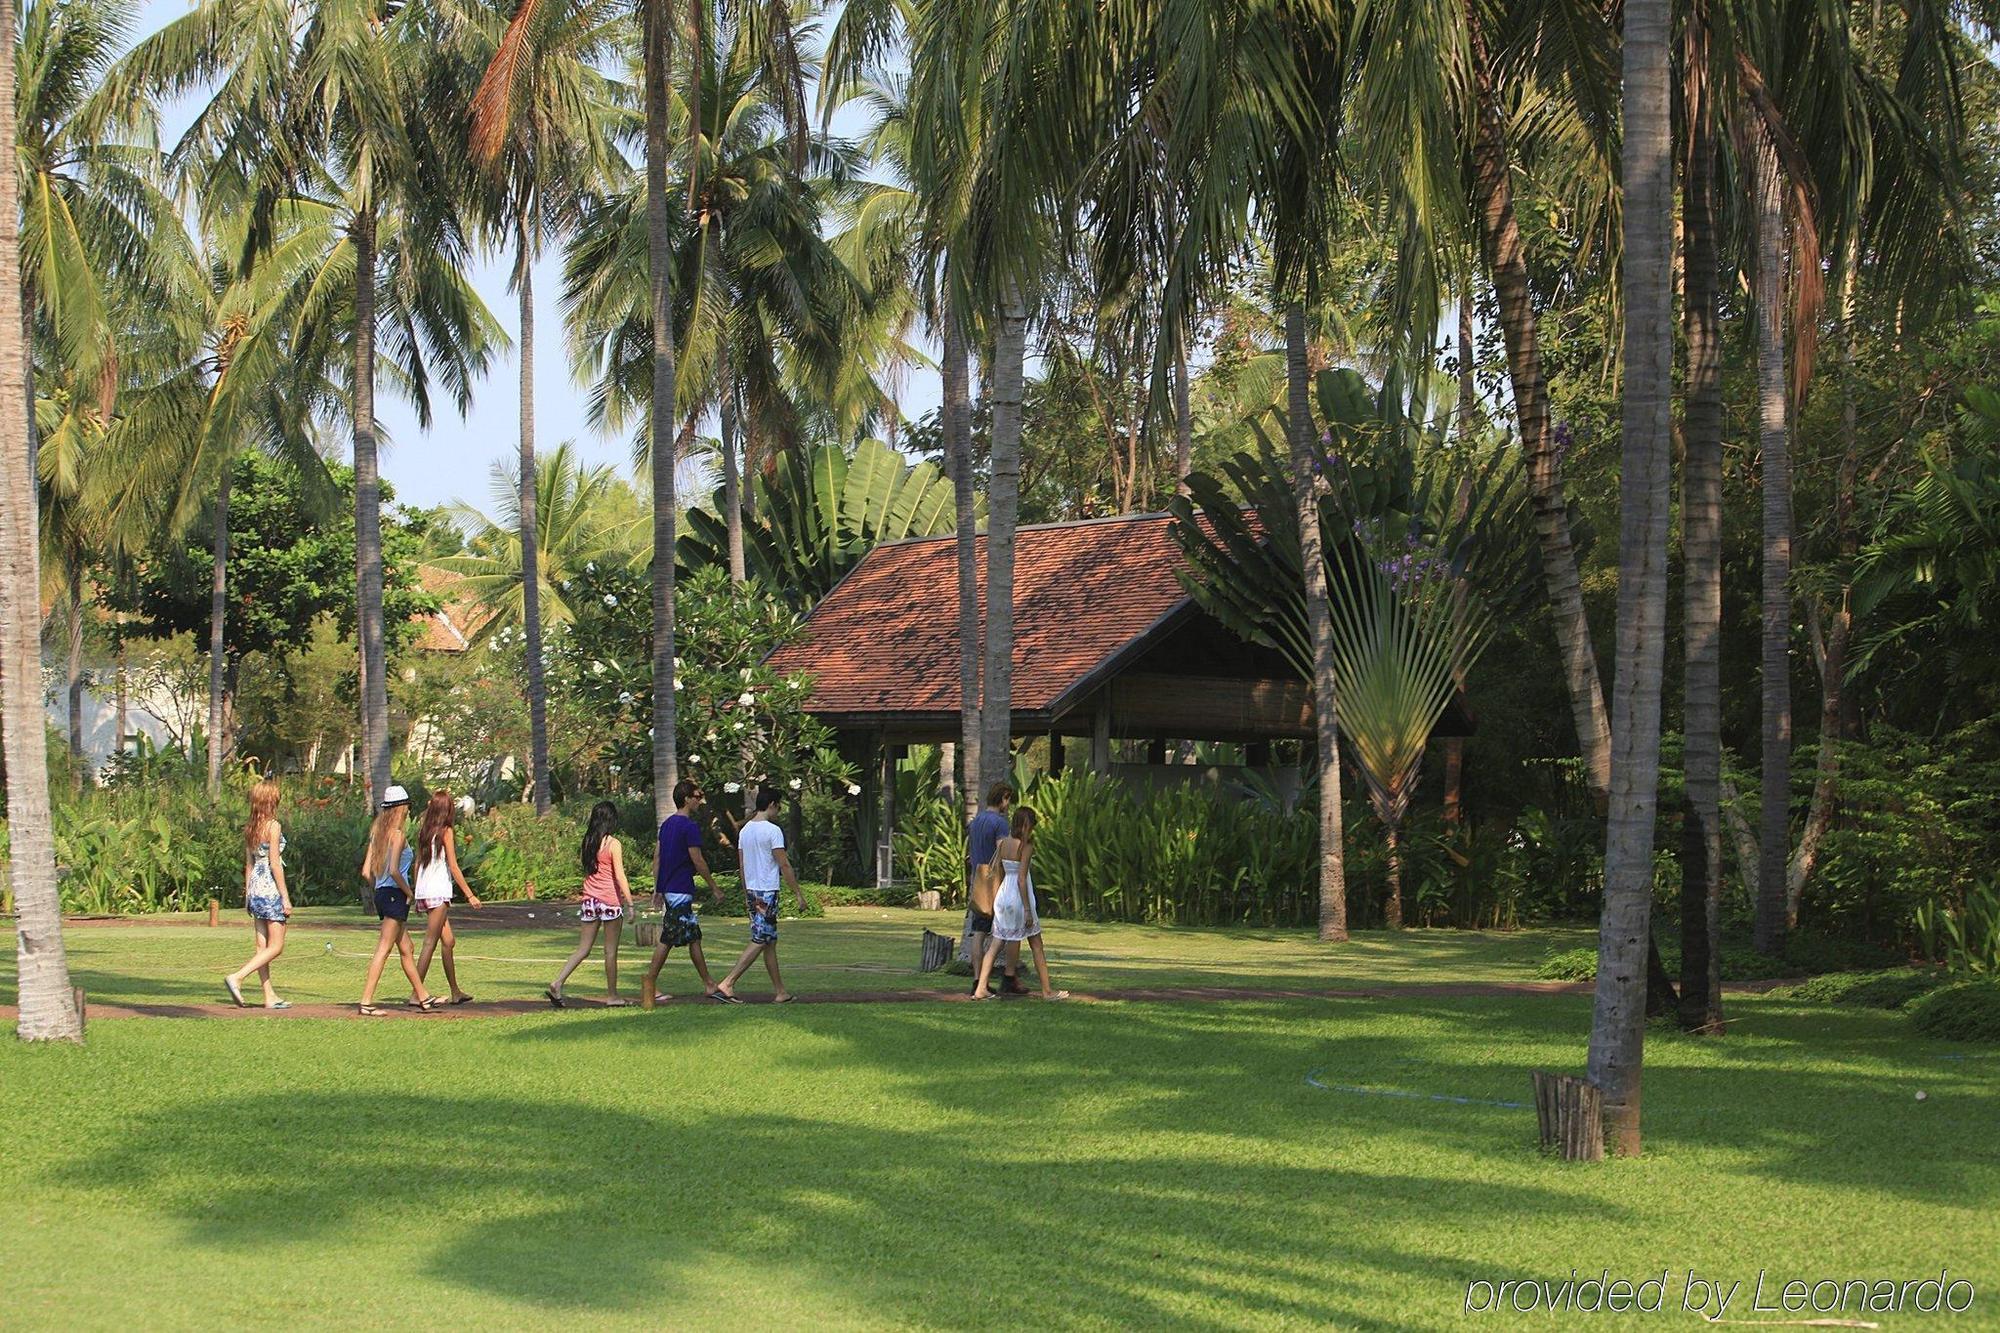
column 1100, row 738
column 1055, row 754
column 885, row 846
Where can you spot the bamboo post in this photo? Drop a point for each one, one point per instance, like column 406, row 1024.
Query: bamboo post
column 1569, row 1116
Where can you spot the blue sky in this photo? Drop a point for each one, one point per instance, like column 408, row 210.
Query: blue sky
column 453, row 461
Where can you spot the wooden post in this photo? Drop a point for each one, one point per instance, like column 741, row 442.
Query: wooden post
column 214, row 912
column 1100, row 739
column 1055, row 754
column 1569, row 1114
column 1156, row 751
column 937, row 951
column 885, row 847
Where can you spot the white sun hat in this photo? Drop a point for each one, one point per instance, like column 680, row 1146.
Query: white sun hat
column 395, row 796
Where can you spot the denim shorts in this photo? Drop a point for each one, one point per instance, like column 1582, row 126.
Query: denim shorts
column 391, row 903
column 266, row 907
column 763, row 916
column 679, row 923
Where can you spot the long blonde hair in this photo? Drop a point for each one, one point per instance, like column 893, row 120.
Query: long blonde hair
column 263, row 808
column 387, row 822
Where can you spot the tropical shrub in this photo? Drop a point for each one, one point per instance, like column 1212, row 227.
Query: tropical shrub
column 1890, row 989
column 1964, row 936
column 1967, row 1011
column 1579, row 964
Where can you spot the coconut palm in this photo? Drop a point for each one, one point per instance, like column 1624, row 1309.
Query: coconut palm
column 1618, row 1022
column 325, row 120
column 543, row 118
column 48, row 1010
column 583, row 515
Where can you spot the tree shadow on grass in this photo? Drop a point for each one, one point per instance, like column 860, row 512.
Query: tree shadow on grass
column 552, row 1205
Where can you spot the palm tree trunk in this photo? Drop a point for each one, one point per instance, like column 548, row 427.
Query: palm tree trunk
column 218, row 608
column 48, row 1011
column 1319, row 624
column 531, row 566
column 659, row 254
column 1701, row 551
column 1774, row 832
column 1468, row 385
column 1618, row 1023
column 958, row 462
column 1003, row 498
column 73, row 668
column 1183, row 422
column 1506, row 258
column 368, row 514
column 1392, row 906
column 732, row 474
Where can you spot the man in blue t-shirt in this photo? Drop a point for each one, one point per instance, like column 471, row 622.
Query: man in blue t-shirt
column 982, row 839
column 674, row 870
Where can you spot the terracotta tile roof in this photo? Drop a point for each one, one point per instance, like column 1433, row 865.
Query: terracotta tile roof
column 886, row 638
column 458, row 619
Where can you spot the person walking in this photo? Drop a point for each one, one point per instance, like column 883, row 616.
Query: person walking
column 437, row 873
column 387, row 869
column 679, row 861
column 1015, row 917
column 266, row 895
column 607, row 898
column 761, row 845
column 988, row 827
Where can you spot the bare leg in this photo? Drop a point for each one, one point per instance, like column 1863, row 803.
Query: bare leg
column 1041, row 965
column 448, row 940
column 403, row 951
column 576, row 959
column 1013, row 964
column 383, row 944
column 270, row 943
column 778, row 991
column 434, row 928
column 975, row 946
column 649, row 984
column 727, row 986
column 700, row 965
column 980, row 989
column 612, row 937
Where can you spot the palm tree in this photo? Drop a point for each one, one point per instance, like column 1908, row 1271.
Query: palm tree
column 583, row 515
column 322, row 120
column 542, row 119
column 1775, row 838
column 48, row 1010
column 1618, row 1023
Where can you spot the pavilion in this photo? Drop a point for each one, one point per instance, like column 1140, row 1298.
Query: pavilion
column 1108, row 646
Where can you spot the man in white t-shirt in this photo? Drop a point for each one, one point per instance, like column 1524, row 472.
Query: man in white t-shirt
column 761, row 845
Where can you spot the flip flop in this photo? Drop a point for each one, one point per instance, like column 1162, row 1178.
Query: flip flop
column 554, row 998
column 617, row 1004
column 721, row 998
column 235, row 993
column 462, row 999
column 371, row 1011
column 783, row 999
column 279, row 1004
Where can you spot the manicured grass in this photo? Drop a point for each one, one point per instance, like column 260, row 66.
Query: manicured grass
column 1023, row 1165
column 179, row 960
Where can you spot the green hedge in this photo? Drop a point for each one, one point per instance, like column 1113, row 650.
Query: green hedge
column 1890, row 989
column 1967, row 1011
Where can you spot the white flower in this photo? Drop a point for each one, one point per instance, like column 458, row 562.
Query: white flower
column 677, row 664
column 679, row 684
column 614, row 768
column 711, row 734
column 590, row 567
column 738, row 724
column 596, row 667
column 732, row 787
column 610, row 599
column 694, row 759
column 853, row 789
column 624, row 696
column 747, row 699
column 795, row 784
column 744, row 673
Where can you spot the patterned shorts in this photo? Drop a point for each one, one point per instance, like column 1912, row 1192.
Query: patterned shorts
column 596, row 911
column 679, row 924
column 266, row 907
column 763, row 916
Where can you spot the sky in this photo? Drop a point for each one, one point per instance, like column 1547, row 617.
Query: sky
column 453, row 461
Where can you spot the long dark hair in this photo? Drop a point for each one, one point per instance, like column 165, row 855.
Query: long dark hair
column 603, row 824
column 438, row 816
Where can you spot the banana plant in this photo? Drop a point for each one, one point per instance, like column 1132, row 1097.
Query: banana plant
column 819, row 511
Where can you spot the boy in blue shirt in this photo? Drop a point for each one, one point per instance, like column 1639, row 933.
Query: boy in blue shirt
column 674, row 871
column 981, row 839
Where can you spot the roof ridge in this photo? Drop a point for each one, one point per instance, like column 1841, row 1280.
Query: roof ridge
column 1026, row 527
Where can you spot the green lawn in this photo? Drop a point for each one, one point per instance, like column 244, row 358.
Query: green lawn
column 857, row 948
column 1025, row 1165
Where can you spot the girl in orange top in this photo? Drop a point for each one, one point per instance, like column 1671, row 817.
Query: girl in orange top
column 607, row 897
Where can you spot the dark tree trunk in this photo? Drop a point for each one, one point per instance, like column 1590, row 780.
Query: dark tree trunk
column 218, row 608
column 73, row 666
column 658, row 38
column 1774, row 830
column 959, row 463
column 368, row 515
column 531, row 569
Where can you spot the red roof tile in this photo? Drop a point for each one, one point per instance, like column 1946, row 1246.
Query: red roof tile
column 885, row 640
column 459, row 617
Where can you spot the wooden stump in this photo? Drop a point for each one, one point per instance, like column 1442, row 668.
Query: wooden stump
column 214, row 912
column 938, row 950
column 647, row 933
column 929, row 900
column 1569, row 1112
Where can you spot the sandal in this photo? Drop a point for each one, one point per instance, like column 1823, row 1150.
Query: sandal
column 428, row 1005
column 555, row 996
column 371, row 1011
column 461, row 999
column 723, row 997
column 279, row 1004
column 617, row 1004
column 235, row 992
column 783, row 999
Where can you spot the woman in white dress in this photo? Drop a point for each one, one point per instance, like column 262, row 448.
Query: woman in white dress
column 1014, row 916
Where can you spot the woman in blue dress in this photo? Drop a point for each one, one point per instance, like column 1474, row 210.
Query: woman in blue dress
column 265, row 894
